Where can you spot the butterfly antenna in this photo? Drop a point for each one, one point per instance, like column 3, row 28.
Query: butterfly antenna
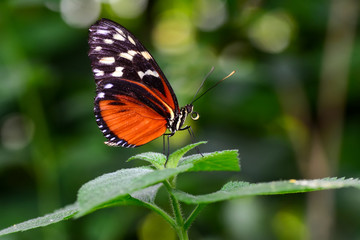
column 202, row 83
column 212, row 69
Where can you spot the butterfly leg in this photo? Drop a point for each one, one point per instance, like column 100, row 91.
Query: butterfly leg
column 164, row 144
column 168, row 135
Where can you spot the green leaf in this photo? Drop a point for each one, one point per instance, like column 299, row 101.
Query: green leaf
column 57, row 216
column 175, row 156
column 234, row 185
column 242, row 189
column 227, row 160
column 143, row 197
column 112, row 188
column 148, row 194
column 156, row 159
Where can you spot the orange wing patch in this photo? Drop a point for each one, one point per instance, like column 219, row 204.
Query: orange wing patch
column 131, row 120
column 166, row 96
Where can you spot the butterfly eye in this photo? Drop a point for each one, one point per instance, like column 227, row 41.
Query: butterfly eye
column 195, row 116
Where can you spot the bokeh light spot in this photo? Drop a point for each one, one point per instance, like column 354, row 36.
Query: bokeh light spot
column 80, row 13
column 211, row 14
column 173, row 33
column 16, row 131
column 128, row 9
column 272, row 32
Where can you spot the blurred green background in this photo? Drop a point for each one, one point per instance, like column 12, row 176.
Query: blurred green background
column 292, row 110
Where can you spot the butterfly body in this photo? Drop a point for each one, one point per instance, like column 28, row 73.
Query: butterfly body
column 134, row 102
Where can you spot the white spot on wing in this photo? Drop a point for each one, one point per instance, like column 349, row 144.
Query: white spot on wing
column 110, row 143
column 148, row 72
column 154, row 73
column 117, row 36
column 98, row 72
column 146, row 55
column 109, row 85
column 118, row 72
column 141, row 74
column 101, row 95
column 132, row 52
column 126, row 55
column 131, row 40
column 107, row 60
column 98, row 48
column 129, row 55
column 108, row 41
column 119, row 31
column 102, row 31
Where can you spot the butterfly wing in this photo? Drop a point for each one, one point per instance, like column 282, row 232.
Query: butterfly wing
column 134, row 100
column 128, row 113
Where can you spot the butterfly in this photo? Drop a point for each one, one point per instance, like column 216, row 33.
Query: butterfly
column 134, row 101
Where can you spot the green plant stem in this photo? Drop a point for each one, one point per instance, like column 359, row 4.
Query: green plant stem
column 180, row 229
column 162, row 213
column 193, row 215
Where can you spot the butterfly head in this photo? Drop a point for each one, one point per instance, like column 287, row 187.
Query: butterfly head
column 189, row 108
column 180, row 118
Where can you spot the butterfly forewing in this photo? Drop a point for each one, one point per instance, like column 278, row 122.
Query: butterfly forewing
column 115, row 52
column 134, row 101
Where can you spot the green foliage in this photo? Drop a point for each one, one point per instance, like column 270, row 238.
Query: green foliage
column 139, row 186
column 233, row 190
column 57, row 216
column 216, row 161
column 175, row 157
column 114, row 188
column 291, row 109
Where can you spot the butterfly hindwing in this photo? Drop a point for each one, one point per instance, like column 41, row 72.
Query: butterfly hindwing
column 134, row 101
column 128, row 118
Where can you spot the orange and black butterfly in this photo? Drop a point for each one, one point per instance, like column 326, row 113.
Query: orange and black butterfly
column 134, row 101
